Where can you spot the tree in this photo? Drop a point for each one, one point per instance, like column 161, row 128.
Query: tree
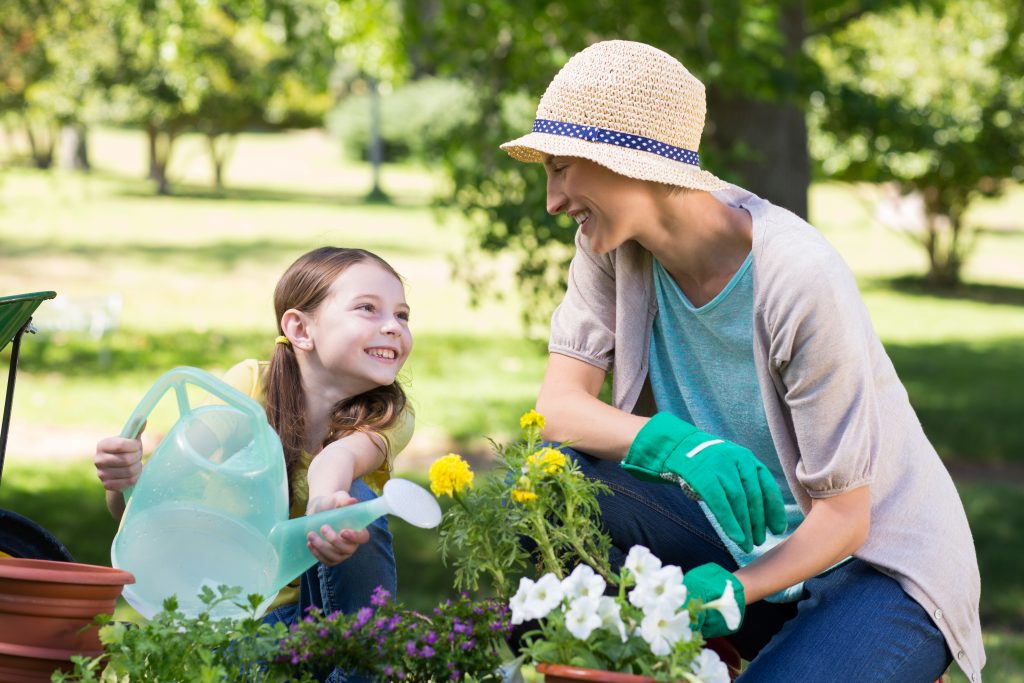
column 751, row 56
column 929, row 101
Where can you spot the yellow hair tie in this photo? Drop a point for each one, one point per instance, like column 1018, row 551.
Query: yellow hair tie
column 282, row 340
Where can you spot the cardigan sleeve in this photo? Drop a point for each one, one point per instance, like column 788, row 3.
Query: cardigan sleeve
column 583, row 325
column 826, row 354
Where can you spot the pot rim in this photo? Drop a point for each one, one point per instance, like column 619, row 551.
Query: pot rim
column 62, row 572
column 608, row 676
column 14, row 650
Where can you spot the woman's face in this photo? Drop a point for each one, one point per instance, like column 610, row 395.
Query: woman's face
column 361, row 330
column 609, row 208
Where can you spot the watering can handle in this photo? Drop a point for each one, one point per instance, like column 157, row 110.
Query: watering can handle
column 178, row 379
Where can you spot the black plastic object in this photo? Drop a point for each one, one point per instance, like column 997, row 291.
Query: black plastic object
column 21, row 537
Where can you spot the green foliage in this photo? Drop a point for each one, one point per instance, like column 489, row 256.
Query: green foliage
column 173, row 647
column 415, row 117
column 750, row 56
column 929, row 100
column 460, row 640
column 534, row 492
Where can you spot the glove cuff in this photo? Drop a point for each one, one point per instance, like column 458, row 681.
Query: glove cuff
column 654, row 444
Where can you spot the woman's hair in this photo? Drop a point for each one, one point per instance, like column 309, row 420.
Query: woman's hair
column 304, row 287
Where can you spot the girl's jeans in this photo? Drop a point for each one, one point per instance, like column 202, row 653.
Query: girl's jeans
column 347, row 586
column 853, row 623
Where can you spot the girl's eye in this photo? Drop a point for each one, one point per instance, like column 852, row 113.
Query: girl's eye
column 366, row 307
column 403, row 316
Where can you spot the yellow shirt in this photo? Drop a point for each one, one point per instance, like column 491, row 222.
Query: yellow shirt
column 248, row 377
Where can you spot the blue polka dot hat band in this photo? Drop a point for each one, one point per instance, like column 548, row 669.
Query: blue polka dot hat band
column 614, row 137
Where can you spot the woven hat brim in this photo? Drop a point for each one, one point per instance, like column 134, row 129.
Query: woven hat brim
column 632, row 163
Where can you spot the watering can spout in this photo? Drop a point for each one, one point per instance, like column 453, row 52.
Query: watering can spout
column 399, row 497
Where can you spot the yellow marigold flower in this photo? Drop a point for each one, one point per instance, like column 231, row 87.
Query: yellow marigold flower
column 550, row 460
column 521, row 496
column 532, row 419
column 449, row 475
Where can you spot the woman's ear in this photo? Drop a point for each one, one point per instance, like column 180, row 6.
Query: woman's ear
column 296, row 326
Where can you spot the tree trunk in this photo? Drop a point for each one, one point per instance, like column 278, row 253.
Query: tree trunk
column 41, row 143
column 770, row 138
column 376, row 146
column 74, row 149
column 160, row 143
column 219, row 156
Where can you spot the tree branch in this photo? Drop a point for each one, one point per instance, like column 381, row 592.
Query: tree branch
column 839, row 22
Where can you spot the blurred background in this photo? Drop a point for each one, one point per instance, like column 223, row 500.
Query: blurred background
column 163, row 161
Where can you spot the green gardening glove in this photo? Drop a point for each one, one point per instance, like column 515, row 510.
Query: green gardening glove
column 738, row 489
column 722, row 613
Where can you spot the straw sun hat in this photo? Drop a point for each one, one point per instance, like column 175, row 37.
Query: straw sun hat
column 627, row 106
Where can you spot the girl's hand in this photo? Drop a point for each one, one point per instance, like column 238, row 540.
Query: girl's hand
column 331, row 547
column 118, row 462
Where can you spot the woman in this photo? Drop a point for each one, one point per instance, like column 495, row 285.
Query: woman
column 741, row 330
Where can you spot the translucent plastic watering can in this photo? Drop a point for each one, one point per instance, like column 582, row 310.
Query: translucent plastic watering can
column 211, row 506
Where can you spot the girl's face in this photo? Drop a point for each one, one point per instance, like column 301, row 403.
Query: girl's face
column 360, row 332
column 608, row 207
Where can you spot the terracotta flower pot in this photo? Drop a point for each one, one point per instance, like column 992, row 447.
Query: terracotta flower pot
column 560, row 673
column 46, row 612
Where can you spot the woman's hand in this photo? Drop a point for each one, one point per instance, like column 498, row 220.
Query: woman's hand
column 331, row 547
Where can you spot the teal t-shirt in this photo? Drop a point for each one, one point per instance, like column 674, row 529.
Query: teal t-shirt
column 702, row 371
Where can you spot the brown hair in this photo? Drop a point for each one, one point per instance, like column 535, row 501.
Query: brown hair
column 304, row 286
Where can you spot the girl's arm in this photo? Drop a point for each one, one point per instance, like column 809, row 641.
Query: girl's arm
column 834, row 529
column 573, row 412
column 118, row 463
column 339, row 464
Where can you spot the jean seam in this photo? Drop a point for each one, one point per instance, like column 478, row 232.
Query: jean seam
column 668, row 514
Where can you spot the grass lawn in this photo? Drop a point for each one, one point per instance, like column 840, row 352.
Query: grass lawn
column 196, row 272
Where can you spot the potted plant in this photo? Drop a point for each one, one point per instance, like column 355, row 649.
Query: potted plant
column 458, row 640
column 589, row 623
column 46, row 613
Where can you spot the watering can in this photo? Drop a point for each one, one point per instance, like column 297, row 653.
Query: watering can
column 211, row 506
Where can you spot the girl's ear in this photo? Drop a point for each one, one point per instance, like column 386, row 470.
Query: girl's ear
column 296, row 326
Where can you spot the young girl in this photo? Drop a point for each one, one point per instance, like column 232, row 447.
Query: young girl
column 331, row 394
column 745, row 370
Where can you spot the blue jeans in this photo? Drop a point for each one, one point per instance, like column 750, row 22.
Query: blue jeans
column 853, row 623
column 346, row 587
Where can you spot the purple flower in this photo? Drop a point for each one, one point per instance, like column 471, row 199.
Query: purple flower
column 362, row 617
column 455, row 675
column 468, row 644
column 410, row 648
column 430, row 638
column 323, row 632
column 427, row 651
column 389, row 670
column 393, row 622
column 379, row 597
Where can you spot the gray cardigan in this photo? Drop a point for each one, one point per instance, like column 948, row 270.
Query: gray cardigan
column 838, row 414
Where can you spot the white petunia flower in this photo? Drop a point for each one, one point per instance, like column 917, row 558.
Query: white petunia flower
column 663, row 588
column 517, row 603
column 663, row 628
column 728, row 607
column 610, row 611
column 583, row 583
column 641, row 563
column 709, row 668
column 582, row 618
column 544, row 596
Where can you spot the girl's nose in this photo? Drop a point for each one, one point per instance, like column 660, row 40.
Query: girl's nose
column 391, row 326
column 556, row 198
